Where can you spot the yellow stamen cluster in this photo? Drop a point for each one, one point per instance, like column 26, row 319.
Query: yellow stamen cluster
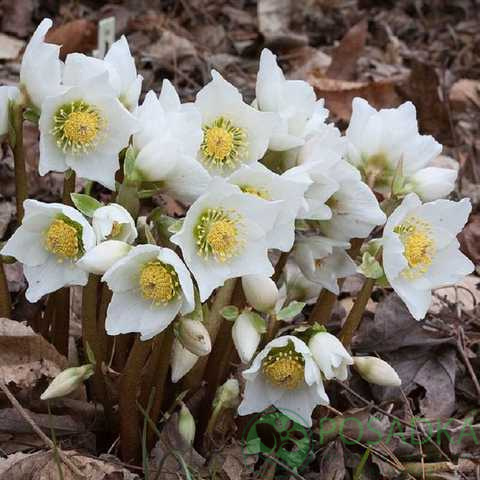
column 77, row 127
column 224, row 145
column 285, row 369
column 217, row 233
column 419, row 246
column 62, row 240
column 158, row 282
column 258, row 192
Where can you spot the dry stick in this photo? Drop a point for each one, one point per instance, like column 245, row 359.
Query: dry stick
column 129, row 389
column 194, row 378
column 355, row 316
column 38, row 431
column 471, row 371
column 61, row 325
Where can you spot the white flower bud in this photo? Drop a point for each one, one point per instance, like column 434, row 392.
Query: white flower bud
column 67, row 381
column 376, row 371
column 100, row 258
column 186, row 424
column 330, row 355
column 245, row 337
column 260, row 291
column 182, row 361
column 432, row 183
column 194, row 336
column 228, row 394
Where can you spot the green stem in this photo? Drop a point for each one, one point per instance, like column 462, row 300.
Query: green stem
column 129, row 389
column 355, row 316
column 21, row 183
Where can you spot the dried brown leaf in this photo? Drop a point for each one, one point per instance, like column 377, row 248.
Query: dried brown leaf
column 465, row 92
column 75, row 36
column 332, row 462
column 470, row 238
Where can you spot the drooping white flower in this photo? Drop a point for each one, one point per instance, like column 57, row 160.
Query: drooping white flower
column 258, row 180
column 119, row 64
column 297, row 111
column 7, row 95
column 234, row 133
column 182, row 361
column 330, row 355
column 323, row 260
column 150, row 286
column 297, row 286
column 420, row 249
column 285, row 375
column 344, row 204
column 377, row 371
column 103, row 256
column 67, row 381
column 167, row 145
column 49, row 242
column 114, row 222
column 84, row 129
column 246, row 337
column 379, row 140
column 260, row 291
column 224, row 235
column 40, row 73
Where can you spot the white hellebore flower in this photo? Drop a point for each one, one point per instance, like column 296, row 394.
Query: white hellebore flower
column 298, row 113
column 330, row 355
column 297, row 286
column 7, row 95
column 167, row 145
column 323, row 260
column 182, row 361
column 260, row 291
column 40, row 73
column 224, row 235
column 67, row 381
column 119, row 64
column 258, row 180
column 421, row 251
column 377, row 371
column 114, row 222
column 103, row 256
column 380, row 140
column 150, row 286
column 234, row 133
column 49, row 242
column 84, row 129
column 285, row 375
column 245, row 337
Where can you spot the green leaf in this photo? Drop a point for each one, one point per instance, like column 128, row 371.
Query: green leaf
column 230, row 312
column 291, row 311
column 32, row 115
column 176, row 226
column 85, row 203
column 129, row 163
column 370, row 267
column 257, row 321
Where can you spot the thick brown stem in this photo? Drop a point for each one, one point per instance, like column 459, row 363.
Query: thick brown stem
column 323, row 308
column 21, row 185
column 5, row 302
column 355, row 316
column 280, row 265
column 129, row 390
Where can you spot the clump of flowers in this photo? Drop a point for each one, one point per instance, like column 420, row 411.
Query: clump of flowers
column 274, row 204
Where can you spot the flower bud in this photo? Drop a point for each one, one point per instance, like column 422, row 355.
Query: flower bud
column 7, row 94
column 376, row 371
column 67, row 381
column 245, row 337
column 227, row 395
column 330, row 355
column 100, row 258
column 186, row 425
column 432, row 183
column 194, row 336
column 182, row 361
column 260, row 291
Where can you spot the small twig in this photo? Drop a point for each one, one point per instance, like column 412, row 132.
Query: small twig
column 463, row 353
column 48, row 442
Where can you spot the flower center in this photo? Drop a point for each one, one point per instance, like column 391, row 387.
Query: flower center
column 158, row 282
column 285, row 369
column 77, row 127
column 62, row 239
column 116, row 230
column 258, row 192
column 419, row 246
column 217, row 234
column 224, row 145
